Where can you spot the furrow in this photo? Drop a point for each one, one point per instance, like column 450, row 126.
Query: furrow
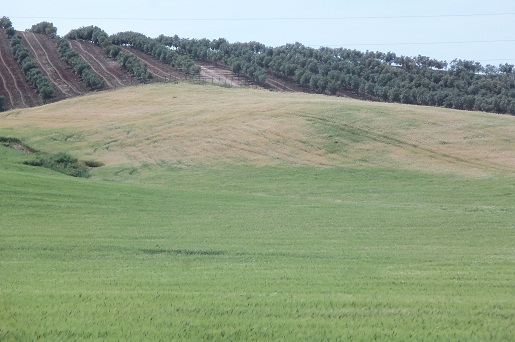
column 53, row 66
column 100, row 65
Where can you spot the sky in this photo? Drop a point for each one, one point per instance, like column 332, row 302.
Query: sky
column 475, row 30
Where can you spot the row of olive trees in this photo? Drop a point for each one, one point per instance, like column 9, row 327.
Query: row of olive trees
column 157, row 49
column 128, row 60
column 69, row 56
column 29, row 65
column 239, row 57
column 420, row 80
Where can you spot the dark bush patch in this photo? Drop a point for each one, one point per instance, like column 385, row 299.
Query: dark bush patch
column 93, row 164
column 16, row 144
column 61, row 162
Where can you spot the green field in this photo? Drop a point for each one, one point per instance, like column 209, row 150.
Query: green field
column 380, row 237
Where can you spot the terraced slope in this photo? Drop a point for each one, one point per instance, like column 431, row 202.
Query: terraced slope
column 13, row 84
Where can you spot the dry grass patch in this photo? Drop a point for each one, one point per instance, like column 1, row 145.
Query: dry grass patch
column 190, row 125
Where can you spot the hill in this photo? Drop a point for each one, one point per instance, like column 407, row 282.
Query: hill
column 241, row 214
column 88, row 59
column 183, row 125
column 51, row 53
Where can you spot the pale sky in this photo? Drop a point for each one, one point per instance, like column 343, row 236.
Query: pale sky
column 476, row 30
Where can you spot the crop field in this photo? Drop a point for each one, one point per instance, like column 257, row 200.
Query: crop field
column 236, row 214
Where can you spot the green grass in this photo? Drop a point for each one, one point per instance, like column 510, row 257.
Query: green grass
column 254, row 253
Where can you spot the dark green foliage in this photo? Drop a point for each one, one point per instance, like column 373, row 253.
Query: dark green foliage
column 460, row 84
column 31, row 68
column 72, row 58
column 79, row 65
column 92, row 163
column 16, row 144
column 129, row 61
column 45, row 28
column 250, row 59
column 6, row 141
column 5, row 23
column 93, row 81
column 159, row 50
column 1, row 103
column 132, row 64
column 61, row 162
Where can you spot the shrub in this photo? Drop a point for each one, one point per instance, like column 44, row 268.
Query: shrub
column 61, row 162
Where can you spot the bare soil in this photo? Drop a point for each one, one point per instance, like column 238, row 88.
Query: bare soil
column 67, row 83
column 112, row 73
column 13, row 84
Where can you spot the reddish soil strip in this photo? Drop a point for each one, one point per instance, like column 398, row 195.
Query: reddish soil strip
column 105, row 68
column 14, row 84
column 67, row 82
column 17, row 87
column 162, row 72
column 6, row 87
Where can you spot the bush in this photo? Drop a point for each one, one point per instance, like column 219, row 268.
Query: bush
column 61, row 162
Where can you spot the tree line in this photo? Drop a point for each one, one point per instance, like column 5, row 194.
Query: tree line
column 71, row 57
column 29, row 65
column 460, row 84
column 156, row 48
column 379, row 76
column 128, row 60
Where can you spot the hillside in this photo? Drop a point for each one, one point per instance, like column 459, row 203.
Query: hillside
column 88, row 59
column 17, row 92
column 184, row 125
column 243, row 214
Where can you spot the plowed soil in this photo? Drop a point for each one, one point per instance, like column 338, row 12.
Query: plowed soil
column 14, row 87
column 107, row 68
column 66, row 82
